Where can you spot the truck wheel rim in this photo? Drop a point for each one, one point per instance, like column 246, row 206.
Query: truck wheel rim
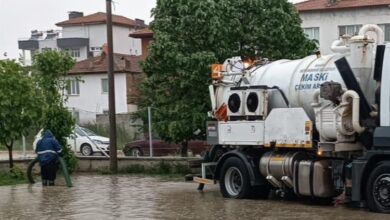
column 381, row 190
column 233, row 181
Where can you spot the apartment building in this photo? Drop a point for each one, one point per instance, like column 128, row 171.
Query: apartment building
column 83, row 37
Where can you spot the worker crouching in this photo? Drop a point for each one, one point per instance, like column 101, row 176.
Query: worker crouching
column 48, row 150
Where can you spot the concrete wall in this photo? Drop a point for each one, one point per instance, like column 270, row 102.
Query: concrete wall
column 125, row 44
column 22, row 163
column 75, row 31
column 48, row 43
column 97, row 37
column 92, row 100
column 94, row 164
column 329, row 21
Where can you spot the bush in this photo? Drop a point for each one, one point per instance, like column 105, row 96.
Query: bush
column 14, row 176
column 162, row 168
column 70, row 158
column 17, row 173
column 104, row 171
column 182, row 169
column 136, row 168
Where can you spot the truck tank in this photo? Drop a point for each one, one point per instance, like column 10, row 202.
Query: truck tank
column 300, row 79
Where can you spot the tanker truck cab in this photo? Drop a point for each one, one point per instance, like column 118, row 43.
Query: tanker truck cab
column 371, row 172
column 384, row 79
column 318, row 127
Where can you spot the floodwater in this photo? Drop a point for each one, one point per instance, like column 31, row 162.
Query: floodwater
column 129, row 197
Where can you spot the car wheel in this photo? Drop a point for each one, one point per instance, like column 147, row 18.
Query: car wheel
column 86, row 150
column 136, row 152
column 378, row 189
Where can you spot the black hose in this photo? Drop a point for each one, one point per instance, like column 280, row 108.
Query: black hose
column 29, row 170
column 63, row 167
column 283, row 95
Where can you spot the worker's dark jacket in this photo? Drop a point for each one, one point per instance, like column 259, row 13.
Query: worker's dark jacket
column 47, row 149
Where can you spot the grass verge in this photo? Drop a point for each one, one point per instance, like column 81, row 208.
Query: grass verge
column 12, row 177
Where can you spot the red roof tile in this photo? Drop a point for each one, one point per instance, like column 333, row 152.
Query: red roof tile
column 98, row 18
column 319, row 5
column 143, row 33
column 122, row 64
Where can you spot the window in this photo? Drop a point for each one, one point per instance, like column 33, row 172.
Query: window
column 349, row 29
column 312, row 33
column 46, row 49
column 96, row 49
column 73, row 87
column 73, row 52
column 84, row 131
column 104, row 85
column 386, row 30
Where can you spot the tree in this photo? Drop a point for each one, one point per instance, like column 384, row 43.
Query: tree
column 50, row 69
column 192, row 34
column 21, row 104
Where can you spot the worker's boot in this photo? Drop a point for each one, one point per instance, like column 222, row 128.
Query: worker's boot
column 51, row 182
column 45, row 182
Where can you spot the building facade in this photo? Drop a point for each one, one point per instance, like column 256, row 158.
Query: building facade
column 88, row 86
column 83, row 37
column 327, row 20
column 146, row 36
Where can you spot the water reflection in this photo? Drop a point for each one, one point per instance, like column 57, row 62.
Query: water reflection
column 129, row 197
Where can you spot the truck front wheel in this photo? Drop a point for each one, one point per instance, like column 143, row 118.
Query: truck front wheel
column 235, row 183
column 378, row 189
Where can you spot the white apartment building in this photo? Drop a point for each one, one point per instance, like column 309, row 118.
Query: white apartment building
column 83, row 37
column 88, row 86
column 327, row 20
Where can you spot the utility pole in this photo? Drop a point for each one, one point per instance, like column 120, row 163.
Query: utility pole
column 111, row 91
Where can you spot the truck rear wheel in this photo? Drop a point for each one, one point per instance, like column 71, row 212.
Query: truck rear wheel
column 378, row 189
column 235, row 183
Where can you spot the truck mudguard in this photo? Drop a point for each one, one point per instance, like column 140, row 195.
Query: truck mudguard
column 250, row 159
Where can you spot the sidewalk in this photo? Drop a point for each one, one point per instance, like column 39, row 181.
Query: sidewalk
column 31, row 155
column 17, row 155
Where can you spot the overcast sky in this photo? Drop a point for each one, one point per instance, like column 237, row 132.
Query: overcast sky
column 19, row 17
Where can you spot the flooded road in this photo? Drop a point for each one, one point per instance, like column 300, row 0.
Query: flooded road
column 129, row 197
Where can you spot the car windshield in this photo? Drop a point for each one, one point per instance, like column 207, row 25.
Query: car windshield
column 82, row 131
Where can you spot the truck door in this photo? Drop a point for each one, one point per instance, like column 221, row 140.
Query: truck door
column 385, row 90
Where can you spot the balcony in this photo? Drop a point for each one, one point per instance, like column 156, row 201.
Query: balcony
column 28, row 44
column 72, row 42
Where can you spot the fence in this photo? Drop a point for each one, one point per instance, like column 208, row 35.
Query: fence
column 132, row 141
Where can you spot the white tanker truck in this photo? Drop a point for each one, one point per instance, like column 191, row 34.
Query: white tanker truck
column 316, row 127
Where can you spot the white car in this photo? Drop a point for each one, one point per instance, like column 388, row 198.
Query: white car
column 83, row 141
